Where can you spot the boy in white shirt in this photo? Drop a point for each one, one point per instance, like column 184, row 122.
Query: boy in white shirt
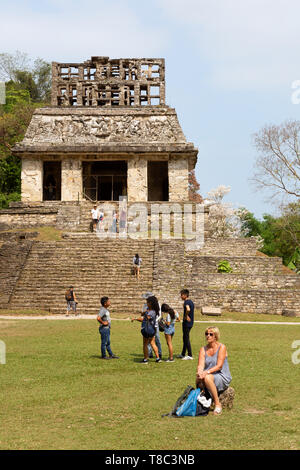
column 95, row 217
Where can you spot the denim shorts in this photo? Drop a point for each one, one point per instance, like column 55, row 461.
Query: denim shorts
column 169, row 330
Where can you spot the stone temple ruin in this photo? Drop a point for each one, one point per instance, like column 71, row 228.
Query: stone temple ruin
column 108, row 134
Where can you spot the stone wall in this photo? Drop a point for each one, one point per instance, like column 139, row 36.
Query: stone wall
column 178, row 179
column 269, row 301
column 71, row 179
column 229, row 246
column 255, row 265
column 243, row 281
column 166, row 269
column 13, row 257
column 137, row 184
column 168, row 272
column 32, row 179
column 27, row 217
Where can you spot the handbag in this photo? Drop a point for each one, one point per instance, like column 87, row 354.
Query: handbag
column 162, row 324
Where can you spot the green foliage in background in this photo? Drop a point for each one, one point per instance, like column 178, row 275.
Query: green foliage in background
column 27, row 87
column 281, row 234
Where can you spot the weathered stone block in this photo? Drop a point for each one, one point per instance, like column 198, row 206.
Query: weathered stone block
column 290, row 313
column 212, row 311
column 227, row 397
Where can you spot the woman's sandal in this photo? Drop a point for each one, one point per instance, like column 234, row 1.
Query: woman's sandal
column 217, row 410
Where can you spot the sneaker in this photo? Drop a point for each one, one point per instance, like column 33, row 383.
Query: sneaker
column 187, row 358
column 144, row 361
column 158, row 359
column 105, row 357
column 114, row 357
column 180, row 356
column 170, row 360
column 160, row 356
column 151, row 356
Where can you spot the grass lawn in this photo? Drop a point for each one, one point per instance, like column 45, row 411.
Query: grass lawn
column 56, row 392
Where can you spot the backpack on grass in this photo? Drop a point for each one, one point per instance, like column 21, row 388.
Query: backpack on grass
column 188, row 405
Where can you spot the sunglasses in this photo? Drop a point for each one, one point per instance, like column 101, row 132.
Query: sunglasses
column 209, row 334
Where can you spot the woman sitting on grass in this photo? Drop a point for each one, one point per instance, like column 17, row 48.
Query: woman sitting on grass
column 148, row 328
column 169, row 331
column 213, row 370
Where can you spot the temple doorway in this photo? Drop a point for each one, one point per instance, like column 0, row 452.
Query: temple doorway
column 51, row 181
column 158, row 181
column 105, row 180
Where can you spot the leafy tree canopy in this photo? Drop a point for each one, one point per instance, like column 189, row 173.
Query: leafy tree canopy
column 27, row 86
column 281, row 234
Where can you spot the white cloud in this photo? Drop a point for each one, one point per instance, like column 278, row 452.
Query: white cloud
column 249, row 43
column 75, row 30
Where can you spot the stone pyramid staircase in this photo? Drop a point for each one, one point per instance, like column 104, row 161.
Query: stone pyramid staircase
column 35, row 275
column 94, row 267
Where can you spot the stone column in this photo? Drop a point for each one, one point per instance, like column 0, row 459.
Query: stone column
column 71, row 179
column 178, row 178
column 32, row 179
column 137, row 184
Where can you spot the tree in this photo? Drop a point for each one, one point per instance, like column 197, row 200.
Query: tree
column 10, row 63
column 278, row 162
column 281, row 235
column 27, row 87
column 194, row 187
column 42, row 77
column 34, row 77
column 223, row 219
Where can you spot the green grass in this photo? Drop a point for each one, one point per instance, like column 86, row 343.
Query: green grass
column 56, row 393
column 45, row 233
column 226, row 316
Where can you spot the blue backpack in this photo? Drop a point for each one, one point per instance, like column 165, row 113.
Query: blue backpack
column 187, row 405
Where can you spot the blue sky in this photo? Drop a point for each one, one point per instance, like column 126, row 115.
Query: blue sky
column 230, row 66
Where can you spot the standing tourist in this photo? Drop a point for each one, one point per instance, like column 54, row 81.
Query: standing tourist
column 213, row 370
column 148, row 329
column 104, row 319
column 114, row 222
column 187, row 324
column 137, row 261
column 95, row 217
column 70, row 297
column 169, row 331
column 157, row 336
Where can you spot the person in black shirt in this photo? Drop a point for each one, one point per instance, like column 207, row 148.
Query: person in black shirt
column 187, row 324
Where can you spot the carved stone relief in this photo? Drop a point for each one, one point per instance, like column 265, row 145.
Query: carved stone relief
column 91, row 129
